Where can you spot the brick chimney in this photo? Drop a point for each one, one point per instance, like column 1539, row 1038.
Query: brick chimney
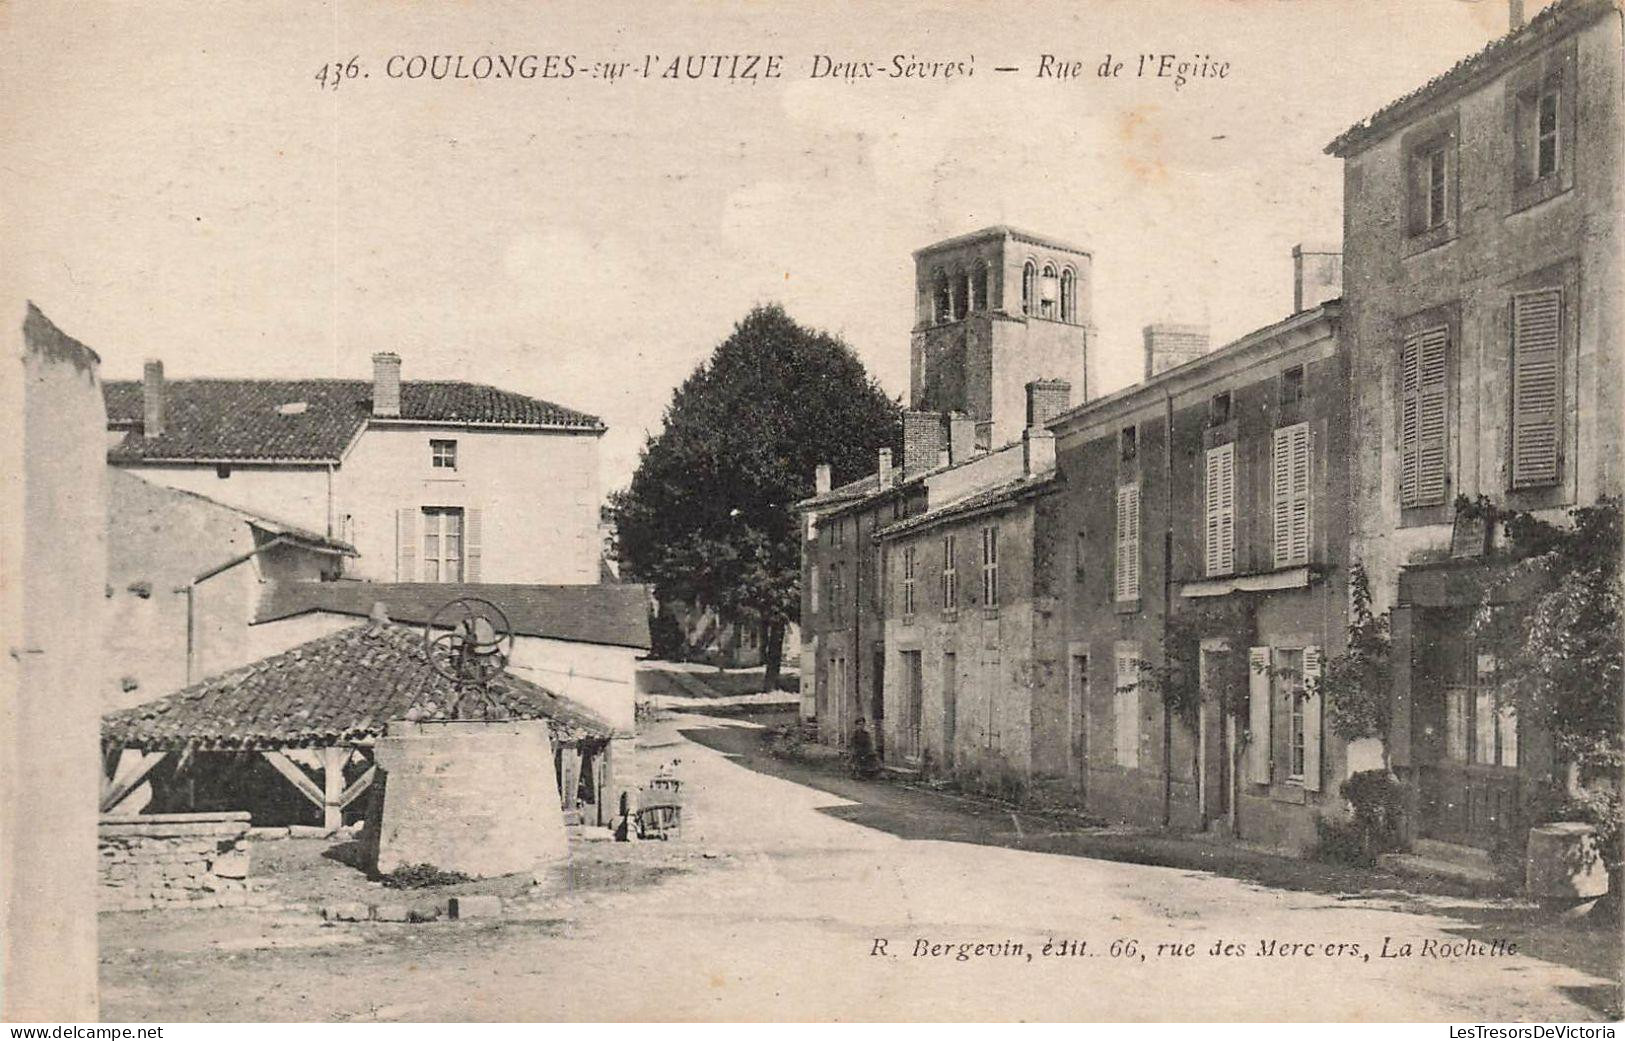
column 152, row 398
column 922, row 440
column 386, row 384
column 1047, row 399
column 961, row 437
column 821, row 483
column 1514, row 15
column 883, row 470
column 1317, row 275
column 1168, row 344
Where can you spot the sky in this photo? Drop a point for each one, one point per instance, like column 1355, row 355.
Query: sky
column 179, row 185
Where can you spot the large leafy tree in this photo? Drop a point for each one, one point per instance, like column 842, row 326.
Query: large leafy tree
column 708, row 518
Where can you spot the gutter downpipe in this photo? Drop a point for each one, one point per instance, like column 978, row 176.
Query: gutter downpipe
column 191, row 600
column 1167, row 597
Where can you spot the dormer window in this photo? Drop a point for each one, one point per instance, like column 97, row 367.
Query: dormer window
column 443, row 454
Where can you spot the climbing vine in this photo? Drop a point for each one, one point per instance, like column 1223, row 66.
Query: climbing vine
column 1357, row 684
column 1177, row 678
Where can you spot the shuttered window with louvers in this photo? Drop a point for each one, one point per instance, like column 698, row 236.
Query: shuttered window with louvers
column 1128, row 543
column 1290, row 464
column 1221, row 510
column 1536, row 387
column 1423, row 426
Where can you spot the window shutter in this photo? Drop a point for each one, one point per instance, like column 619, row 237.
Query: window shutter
column 1536, row 387
column 1126, row 708
column 406, row 544
column 1258, row 711
column 1221, row 510
column 472, row 537
column 1302, row 458
column 1311, row 718
column 1409, row 359
column 1424, row 436
column 1128, row 542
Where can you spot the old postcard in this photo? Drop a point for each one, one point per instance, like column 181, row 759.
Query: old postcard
column 1103, row 511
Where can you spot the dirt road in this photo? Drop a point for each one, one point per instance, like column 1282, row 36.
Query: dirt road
column 869, row 901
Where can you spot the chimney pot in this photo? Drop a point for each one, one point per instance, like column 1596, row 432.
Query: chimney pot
column 386, row 384
column 152, row 398
column 821, row 481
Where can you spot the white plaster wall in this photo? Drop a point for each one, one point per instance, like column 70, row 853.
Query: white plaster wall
column 538, row 493
column 602, row 678
column 295, row 495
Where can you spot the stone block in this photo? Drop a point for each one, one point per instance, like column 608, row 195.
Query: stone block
column 268, row 833
column 391, row 913
column 231, row 865
column 475, row 906
column 346, row 912
column 308, row 831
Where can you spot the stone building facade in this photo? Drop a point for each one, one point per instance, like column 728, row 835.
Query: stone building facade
column 1482, row 241
column 430, row 481
column 1227, row 530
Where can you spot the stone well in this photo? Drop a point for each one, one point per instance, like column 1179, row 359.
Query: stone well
column 474, row 797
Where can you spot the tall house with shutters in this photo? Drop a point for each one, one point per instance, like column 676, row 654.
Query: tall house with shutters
column 429, row 481
column 1483, row 302
column 1202, row 511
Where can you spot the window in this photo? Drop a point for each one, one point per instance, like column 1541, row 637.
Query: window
column 978, row 286
column 908, row 581
column 1218, row 410
column 1423, row 402
column 442, row 544
column 1435, row 188
column 990, row 566
column 1029, row 287
column 222, row 471
column 837, row 591
column 950, row 574
column 1292, row 385
column 812, row 589
column 941, row 303
column 1080, row 555
column 1047, row 304
column 1537, row 383
column 1127, row 445
column 1219, row 546
column 838, row 532
column 1126, row 707
column 961, row 295
column 443, row 454
column 1289, row 678
column 1069, row 296
column 1481, row 724
column 1546, row 131
column 1128, row 543
column 1289, row 494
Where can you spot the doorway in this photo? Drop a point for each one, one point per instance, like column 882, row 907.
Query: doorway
column 950, row 705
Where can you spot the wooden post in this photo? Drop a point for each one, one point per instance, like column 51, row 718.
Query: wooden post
column 333, row 760
column 570, row 778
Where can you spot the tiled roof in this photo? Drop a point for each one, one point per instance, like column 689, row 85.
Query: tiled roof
column 304, row 420
column 858, row 489
column 613, row 614
column 1007, row 492
column 1559, row 17
column 336, row 689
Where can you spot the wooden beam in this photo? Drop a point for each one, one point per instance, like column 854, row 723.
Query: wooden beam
column 120, row 788
column 333, row 760
column 358, row 789
column 297, row 777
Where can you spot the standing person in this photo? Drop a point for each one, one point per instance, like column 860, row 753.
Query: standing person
column 863, row 750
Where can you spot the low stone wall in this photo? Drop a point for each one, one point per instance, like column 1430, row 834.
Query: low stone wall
column 173, row 860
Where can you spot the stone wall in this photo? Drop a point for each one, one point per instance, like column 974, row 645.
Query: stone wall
column 173, row 860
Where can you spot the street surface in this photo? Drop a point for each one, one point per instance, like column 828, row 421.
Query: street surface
column 786, row 922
